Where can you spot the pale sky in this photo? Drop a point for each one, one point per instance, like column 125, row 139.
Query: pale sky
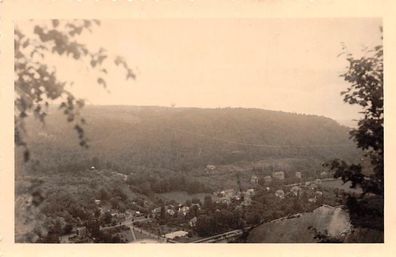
column 277, row 64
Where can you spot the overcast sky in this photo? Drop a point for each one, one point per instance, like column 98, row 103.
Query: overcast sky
column 277, row 64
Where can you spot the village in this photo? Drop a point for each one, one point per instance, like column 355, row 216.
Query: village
column 187, row 222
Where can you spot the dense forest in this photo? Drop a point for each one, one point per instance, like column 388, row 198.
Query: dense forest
column 126, row 137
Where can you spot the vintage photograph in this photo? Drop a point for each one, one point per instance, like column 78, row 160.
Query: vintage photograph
column 205, row 130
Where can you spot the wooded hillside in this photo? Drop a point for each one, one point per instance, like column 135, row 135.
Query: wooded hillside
column 186, row 138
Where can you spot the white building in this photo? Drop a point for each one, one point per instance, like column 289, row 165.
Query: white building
column 170, row 212
column 295, row 190
column 176, row 234
column 184, row 210
column 280, row 193
column 278, row 175
column 250, row 192
column 210, row 167
column 254, row 180
column 193, row 222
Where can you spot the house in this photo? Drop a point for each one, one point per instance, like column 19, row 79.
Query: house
column 324, row 174
column 67, row 238
column 254, row 179
column 267, row 179
column 280, row 175
column 197, row 205
column 318, row 194
column 225, row 201
column 298, row 175
column 97, row 202
column 295, row 190
column 280, row 194
column 210, row 167
column 156, row 210
column 193, row 222
column 184, row 210
column 138, row 214
column 81, row 231
column 121, row 217
column 171, row 212
column 312, row 200
column 228, row 193
column 247, row 201
column 225, row 196
column 313, row 186
column 175, row 234
column 250, row 192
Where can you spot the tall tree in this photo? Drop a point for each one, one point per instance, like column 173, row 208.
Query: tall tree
column 365, row 75
column 36, row 82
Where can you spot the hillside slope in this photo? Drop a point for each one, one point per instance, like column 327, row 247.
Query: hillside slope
column 186, row 138
column 334, row 221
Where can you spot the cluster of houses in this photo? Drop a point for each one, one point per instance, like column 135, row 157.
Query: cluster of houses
column 228, row 195
column 311, row 188
column 276, row 175
column 173, row 210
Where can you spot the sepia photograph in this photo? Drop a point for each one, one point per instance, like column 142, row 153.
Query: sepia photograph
column 231, row 130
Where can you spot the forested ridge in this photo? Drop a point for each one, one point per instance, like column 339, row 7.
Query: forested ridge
column 187, row 138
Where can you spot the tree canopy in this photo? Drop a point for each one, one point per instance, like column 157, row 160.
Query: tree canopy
column 365, row 76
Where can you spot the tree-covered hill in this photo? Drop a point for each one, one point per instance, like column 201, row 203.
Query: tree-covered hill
column 187, row 138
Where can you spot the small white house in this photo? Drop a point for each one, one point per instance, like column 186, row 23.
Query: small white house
column 254, row 180
column 210, row 167
column 184, row 210
column 170, row 212
column 278, row 175
column 295, row 190
column 318, row 193
column 193, row 222
column 250, row 192
column 280, row 193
